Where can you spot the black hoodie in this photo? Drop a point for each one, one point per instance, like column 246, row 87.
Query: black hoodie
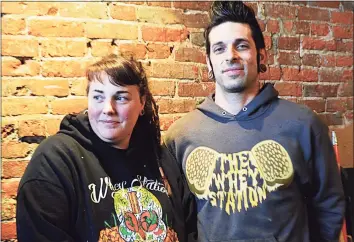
column 78, row 188
column 266, row 174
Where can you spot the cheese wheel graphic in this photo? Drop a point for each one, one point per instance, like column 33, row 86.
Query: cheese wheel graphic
column 200, row 165
column 274, row 163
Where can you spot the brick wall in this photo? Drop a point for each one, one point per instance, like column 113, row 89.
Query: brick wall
column 47, row 46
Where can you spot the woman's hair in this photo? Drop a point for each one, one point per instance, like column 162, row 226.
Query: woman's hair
column 237, row 12
column 123, row 72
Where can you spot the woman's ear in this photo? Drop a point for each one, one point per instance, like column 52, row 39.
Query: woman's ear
column 143, row 101
column 207, row 59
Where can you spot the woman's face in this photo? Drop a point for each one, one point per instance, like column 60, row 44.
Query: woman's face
column 113, row 111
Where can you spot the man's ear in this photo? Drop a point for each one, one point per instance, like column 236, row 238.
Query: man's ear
column 262, row 56
column 207, row 59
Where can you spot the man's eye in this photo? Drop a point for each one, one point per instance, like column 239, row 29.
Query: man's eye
column 242, row 47
column 218, row 49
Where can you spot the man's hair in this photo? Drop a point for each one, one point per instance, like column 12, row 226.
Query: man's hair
column 237, row 12
column 122, row 72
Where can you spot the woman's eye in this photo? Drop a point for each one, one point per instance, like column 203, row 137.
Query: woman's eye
column 218, row 49
column 121, row 98
column 98, row 98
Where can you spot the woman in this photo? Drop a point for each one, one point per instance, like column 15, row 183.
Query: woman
column 102, row 176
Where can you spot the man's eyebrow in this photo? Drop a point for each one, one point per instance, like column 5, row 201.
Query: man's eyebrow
column 117, row 92
column 236, row 41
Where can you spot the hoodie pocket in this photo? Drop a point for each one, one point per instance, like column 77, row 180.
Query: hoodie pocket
column 266, row 239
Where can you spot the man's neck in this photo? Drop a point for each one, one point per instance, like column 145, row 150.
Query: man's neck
column 234, row 102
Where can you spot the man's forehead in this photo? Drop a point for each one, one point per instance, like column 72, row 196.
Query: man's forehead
column 230, row 31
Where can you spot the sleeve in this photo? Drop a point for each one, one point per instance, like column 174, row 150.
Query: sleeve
column 42, row 213
column 327, row 203
column 186, row 198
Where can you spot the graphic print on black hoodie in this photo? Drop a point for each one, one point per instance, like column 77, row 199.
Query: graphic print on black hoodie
column 78, row 188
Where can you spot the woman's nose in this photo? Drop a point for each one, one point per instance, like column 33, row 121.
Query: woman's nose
column 108, row 107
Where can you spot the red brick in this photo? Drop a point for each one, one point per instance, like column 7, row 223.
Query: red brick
column 344, row 60
column 190, row 55
column 303, row 75
column 272, row 73
column 186, row 89
column 52, row 125
column 20, row 106
column 346, row 46
column 8, row 129
column 342, row 18
column 262, row 24
column 9, row 188
column 288, row 43
column 272, row 26
column 347, row 75
column 311, row 60
column 346, row 89
column 328, row 60
column 111, row 30
column 288, row 89
column 135, row 50
column 159, row 15
column 52, row 47
column 36, row 87
column 159, row 4
column 122, row 12
column 31, row 128
column 15, row 150
column 166, row 121
column 196, row 20
column 174, row 70
column 319, row 29
column 29, row 8
column 280, row 11
column 102, row 48
column 158, row 51
column 162, row 87
column 320, row 90
column 197, row 38
column 203, row 6
column 175, row 105
column 327, row 4
column 64, row 68
column 13, row 169
column 19, row 46
column 270, row 57
column 8, row 210
column 268, row 42
column 55, row 28
column 348, row 118
column 8, row 230
column 83, row 10
column 341, row 104
column 78, row 87
column 289, row 58
column 13, row 25
column 313, row 14
column 288, row 26
column 302, row 27
column 317, row 105
column 330, row 75
column 12, row 67
column 68, row 105
column 318, row 44
column 345, row 32
column 331, row 118
column 164, row 34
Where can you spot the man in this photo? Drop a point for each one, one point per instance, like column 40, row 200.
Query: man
column 261, row 168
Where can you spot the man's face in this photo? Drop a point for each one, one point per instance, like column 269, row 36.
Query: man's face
column 233, row 56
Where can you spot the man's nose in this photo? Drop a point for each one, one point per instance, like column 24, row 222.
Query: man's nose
column 232, row 54
column 108, row 107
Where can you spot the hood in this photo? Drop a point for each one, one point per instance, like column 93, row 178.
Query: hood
column 256, row 107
